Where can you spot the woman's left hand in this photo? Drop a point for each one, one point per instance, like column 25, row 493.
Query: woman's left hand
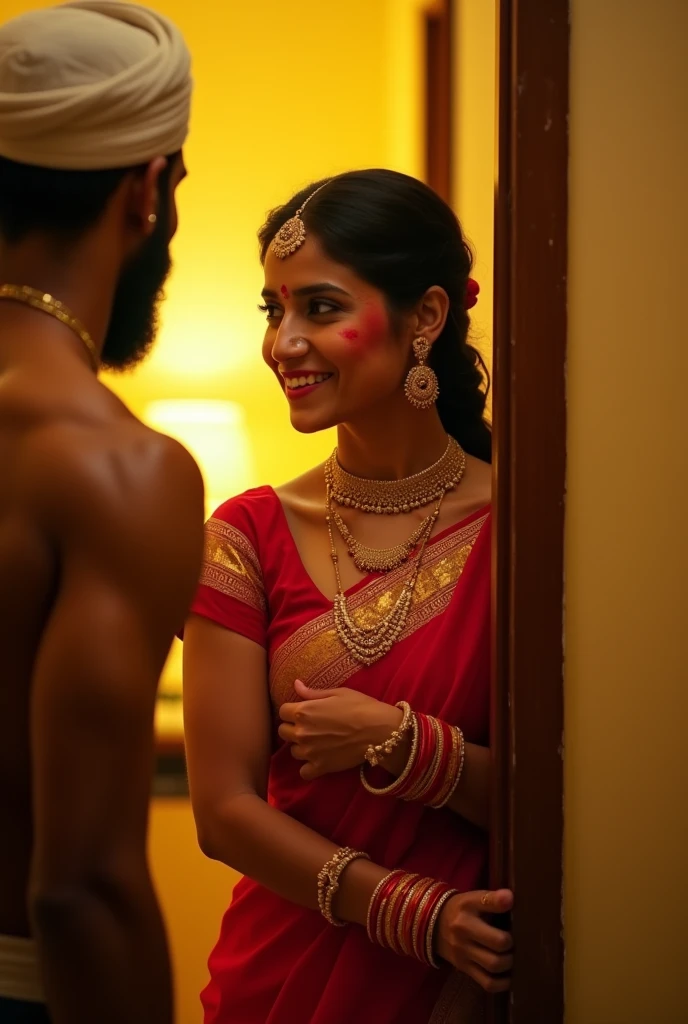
column 332, row 729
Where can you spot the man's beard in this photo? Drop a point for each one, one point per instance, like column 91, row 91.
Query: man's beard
column 135, row 309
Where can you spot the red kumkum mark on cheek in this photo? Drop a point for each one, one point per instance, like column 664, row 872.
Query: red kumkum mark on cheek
column 349, row 334
column 374, row 324
column 284, row 291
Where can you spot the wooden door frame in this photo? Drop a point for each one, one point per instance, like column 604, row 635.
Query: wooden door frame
column 438, row 43
column 530, row 318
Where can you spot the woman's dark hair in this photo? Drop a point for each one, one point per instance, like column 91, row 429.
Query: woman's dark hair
column 60, row 203
column 399, row 236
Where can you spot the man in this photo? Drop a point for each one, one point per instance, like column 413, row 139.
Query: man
column 100, row 517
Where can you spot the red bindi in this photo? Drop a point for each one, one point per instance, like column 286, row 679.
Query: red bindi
column 284, row 291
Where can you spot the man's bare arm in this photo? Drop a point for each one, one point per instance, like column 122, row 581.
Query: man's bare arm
column 127, row 524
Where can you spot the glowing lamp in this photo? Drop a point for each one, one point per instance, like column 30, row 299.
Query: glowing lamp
column 215, row 433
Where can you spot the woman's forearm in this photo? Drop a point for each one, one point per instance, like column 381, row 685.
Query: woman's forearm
column 283, row 855
column 471, row 798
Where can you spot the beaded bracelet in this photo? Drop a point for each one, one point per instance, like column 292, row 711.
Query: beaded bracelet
column 403, row 914
column 328, row 881
column 392, row 789
column 375, row 754
column 435, row 765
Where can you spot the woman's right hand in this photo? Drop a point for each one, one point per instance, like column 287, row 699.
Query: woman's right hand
column 467, row 941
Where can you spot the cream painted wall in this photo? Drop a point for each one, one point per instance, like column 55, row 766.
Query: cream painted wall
column 626, row 865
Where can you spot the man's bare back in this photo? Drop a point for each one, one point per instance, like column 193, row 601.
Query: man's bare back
column 65, row 455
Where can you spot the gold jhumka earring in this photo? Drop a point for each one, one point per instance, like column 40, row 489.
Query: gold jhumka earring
column 421, row 386
column 292, row 234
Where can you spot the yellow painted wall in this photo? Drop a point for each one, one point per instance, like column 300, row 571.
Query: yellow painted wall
column 193, row 892
column 626, row 866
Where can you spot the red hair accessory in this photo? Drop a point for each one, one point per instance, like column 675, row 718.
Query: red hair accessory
column 472, row 292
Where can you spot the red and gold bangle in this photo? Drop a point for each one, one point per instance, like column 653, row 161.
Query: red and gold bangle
column 448, row 775
column 424, row 759
column 393, row 911
column 377, row 898
column 382, row 911
column 435, row 765
column 444, row 771
column 403, row 914
column 454, row 775
column 435, row 743
column 408, row 914
column 379, row 905
column 422, row 917
column 439, row 783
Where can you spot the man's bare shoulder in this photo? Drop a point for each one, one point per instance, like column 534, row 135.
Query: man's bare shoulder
column 116, row 469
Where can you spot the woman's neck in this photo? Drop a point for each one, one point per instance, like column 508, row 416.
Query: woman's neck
column 392, row 447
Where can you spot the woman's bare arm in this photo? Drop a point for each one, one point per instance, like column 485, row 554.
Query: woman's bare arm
column 227, row 725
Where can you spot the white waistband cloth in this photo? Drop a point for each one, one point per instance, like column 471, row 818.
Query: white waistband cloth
column 19, row 974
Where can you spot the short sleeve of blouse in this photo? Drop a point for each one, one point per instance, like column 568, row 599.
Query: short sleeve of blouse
column 231, row 591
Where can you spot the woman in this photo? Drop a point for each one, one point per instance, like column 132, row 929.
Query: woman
column 314, row 680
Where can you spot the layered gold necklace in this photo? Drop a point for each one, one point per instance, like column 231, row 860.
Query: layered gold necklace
column 367, row 644
column 46, row 303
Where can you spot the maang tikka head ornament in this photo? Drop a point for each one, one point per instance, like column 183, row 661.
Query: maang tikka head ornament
column 292, row 234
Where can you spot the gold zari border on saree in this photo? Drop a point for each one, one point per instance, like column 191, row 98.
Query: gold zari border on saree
column 231, row 566
column 315, row 654
column 461, row 1001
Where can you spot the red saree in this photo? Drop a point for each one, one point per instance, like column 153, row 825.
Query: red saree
column 275, row 962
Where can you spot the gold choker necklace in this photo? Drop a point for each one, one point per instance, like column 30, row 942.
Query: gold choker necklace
column 392, row 497
column 45, row 303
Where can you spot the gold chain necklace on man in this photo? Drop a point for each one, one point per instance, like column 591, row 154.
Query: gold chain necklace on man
column 46, row 303
column 367, row 644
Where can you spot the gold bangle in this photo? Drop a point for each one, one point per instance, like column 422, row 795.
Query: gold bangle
column 394, row 786
column 375, row 754
column 328, row 881
column 432, row 924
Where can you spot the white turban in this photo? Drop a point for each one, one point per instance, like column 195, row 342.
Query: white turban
column 93, row 84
